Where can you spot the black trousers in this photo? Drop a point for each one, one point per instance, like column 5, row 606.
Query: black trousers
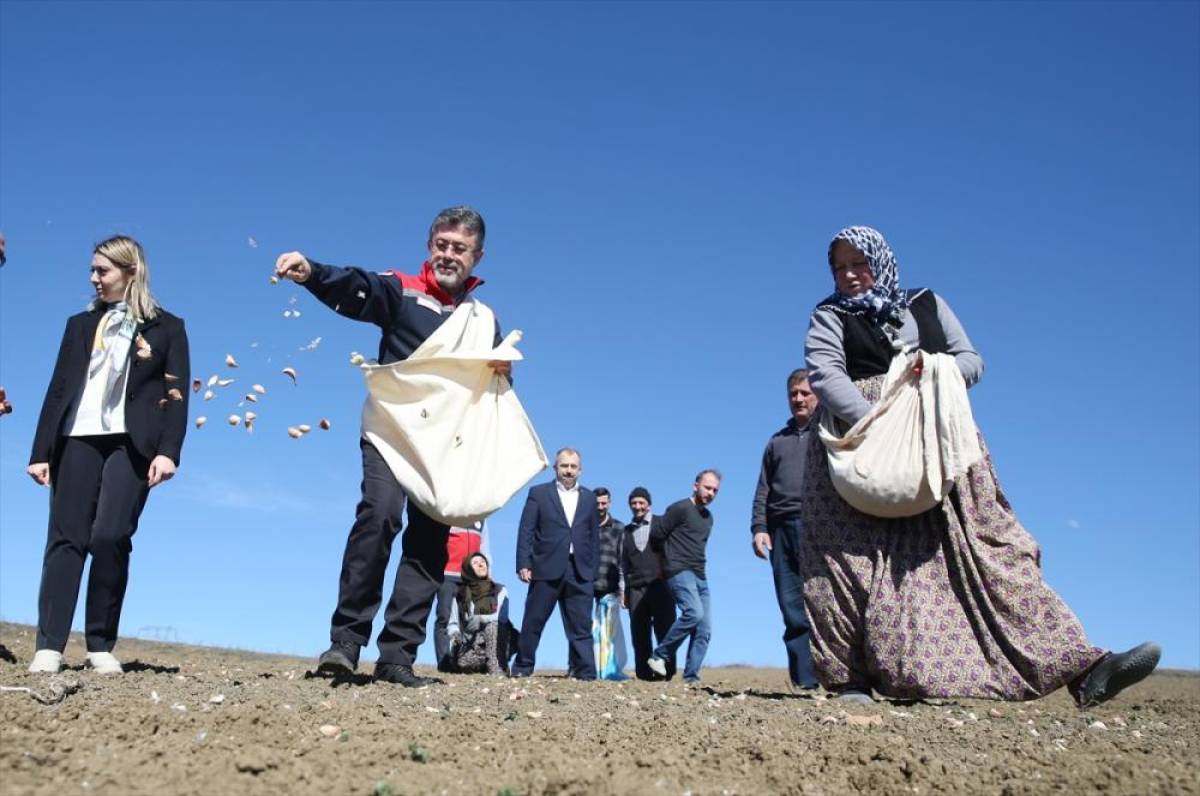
column 573, row 595
column 441, row 625
column 651, row 607
column 377, row 521
column 98, row 490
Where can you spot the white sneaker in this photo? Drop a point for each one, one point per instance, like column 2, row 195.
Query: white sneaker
column 104, row 663
column 657, row 665
column 46, row 662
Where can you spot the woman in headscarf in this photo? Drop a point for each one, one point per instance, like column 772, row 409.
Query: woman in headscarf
column 951, row 602
column 111, row 428
column 480, row 633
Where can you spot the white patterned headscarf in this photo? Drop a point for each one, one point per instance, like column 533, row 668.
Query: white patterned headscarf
column 885, row 302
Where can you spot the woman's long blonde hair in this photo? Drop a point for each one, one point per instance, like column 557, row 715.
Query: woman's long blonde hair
column 127, row 254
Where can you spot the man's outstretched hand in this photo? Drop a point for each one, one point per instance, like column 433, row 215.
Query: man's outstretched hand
column 294, row 266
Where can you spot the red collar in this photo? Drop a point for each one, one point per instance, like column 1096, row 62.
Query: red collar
column 427, row 283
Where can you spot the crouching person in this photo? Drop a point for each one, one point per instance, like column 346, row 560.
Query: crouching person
column 481, row 635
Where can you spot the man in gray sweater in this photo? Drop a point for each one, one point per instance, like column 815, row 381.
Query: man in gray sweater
column 776, row 526
column 683, row 539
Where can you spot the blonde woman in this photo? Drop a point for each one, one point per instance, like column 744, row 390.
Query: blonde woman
column 111, row 428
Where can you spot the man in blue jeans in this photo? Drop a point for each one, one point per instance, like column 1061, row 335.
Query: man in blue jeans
column 776, row 523
column 682, row 537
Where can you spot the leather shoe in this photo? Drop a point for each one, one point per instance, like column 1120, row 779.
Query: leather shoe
column 403, row 675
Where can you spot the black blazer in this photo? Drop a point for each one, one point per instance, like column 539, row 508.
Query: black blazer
column 544, row 539
column 155, row 423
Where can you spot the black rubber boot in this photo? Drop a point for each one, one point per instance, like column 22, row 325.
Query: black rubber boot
column 1117, row 672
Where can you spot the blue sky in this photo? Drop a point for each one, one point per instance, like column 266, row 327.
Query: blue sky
column 660, row 182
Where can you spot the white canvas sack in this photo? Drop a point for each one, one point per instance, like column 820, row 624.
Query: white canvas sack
column 450, row 429
column 902, row 457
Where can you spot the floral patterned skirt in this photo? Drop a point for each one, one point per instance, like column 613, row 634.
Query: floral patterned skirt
column 947, row 603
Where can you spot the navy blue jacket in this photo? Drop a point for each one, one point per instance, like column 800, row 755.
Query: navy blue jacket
column 155, row 423
column 406, row 308
column 544, row 539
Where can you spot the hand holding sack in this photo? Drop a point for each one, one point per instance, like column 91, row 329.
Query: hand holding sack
column 902, row 457
column 450, row 429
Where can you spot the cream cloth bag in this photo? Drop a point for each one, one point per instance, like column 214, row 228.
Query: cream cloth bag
column 451, row 430
column 902, row 457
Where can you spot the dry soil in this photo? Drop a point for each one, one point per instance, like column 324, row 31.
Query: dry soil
column 186, row 719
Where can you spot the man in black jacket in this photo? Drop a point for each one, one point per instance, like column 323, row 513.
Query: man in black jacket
column 651, row 607
column 407, row 309
column 776, row 526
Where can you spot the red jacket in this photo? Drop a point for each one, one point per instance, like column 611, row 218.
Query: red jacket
column 464, row 542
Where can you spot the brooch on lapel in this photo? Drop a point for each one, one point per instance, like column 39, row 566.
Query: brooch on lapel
column 143, row 348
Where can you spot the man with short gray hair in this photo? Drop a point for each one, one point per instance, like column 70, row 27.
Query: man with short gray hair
column 407, row 308
column 683, row 538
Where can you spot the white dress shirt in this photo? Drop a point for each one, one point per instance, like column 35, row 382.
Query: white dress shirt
column 570, row 502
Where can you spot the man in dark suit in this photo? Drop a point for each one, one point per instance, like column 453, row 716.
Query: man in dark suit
column 557, row 552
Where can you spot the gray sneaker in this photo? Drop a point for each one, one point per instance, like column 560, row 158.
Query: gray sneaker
column 657, row 665
column 340, row 659
column 855, row 696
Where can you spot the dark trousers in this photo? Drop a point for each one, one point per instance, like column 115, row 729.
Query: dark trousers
column 422, row 567
column 573, row 595
column 651, row 608
column 445, row 603
column 98, row 490
column 789, row 590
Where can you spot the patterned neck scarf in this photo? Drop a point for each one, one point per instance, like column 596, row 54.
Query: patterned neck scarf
column 885, row 302
column 114, row 336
